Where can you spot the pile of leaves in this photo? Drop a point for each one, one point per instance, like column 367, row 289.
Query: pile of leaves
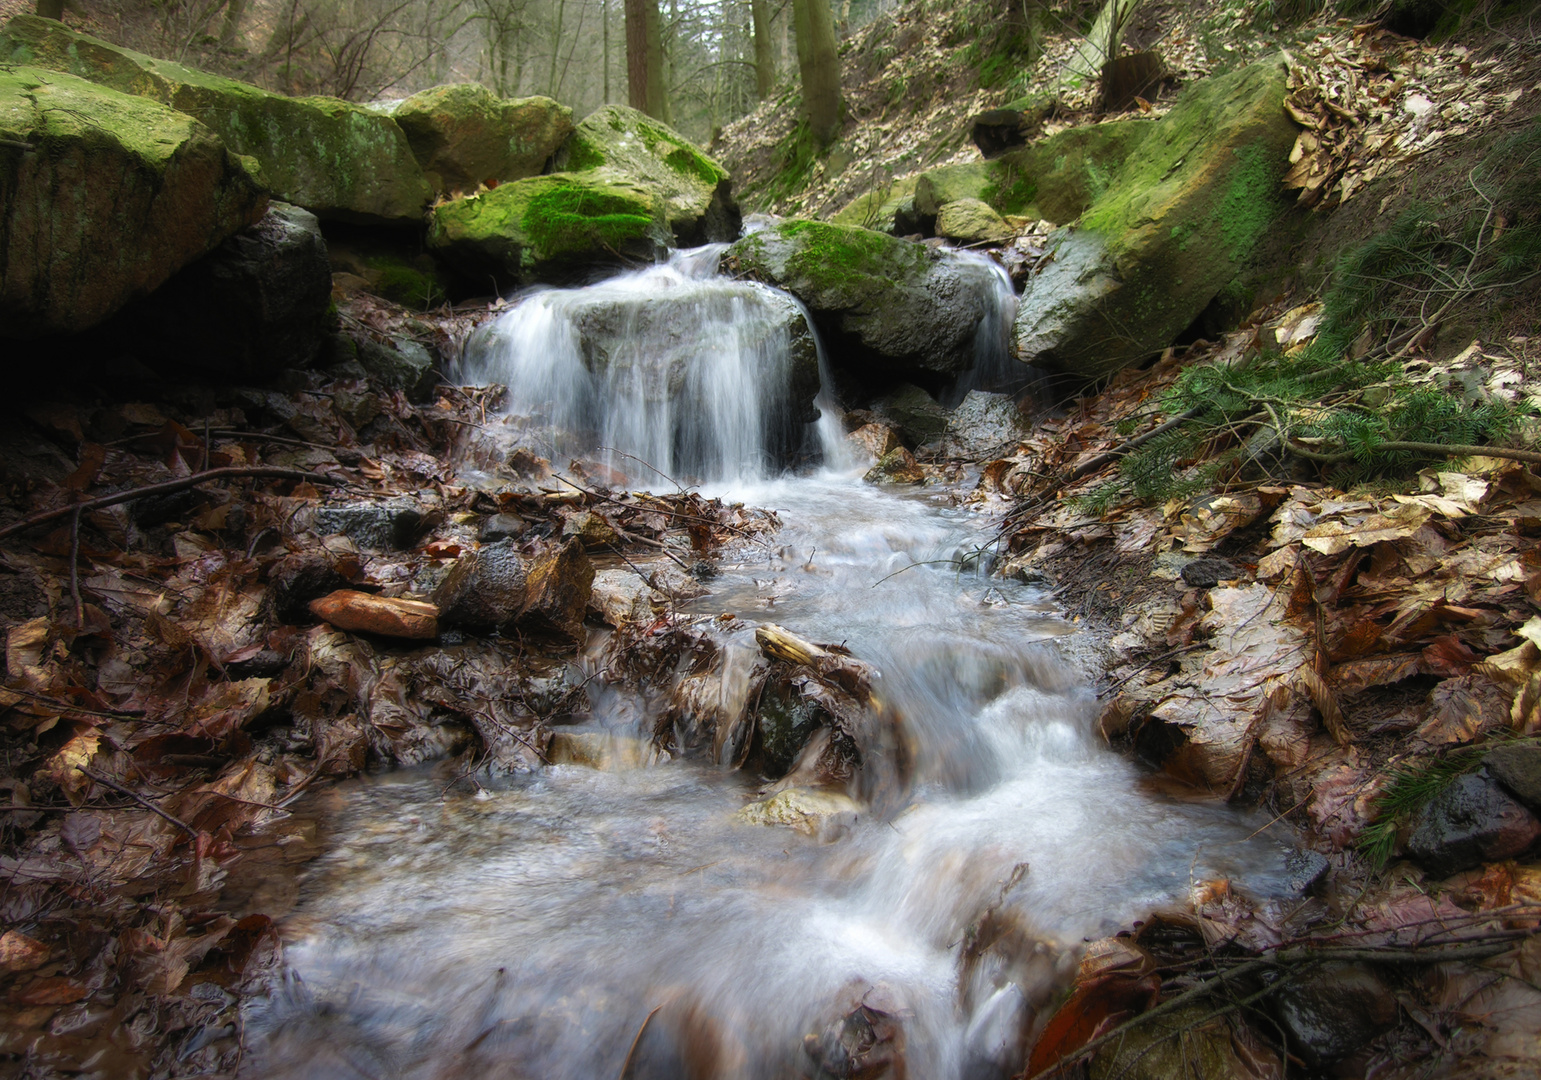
column 169, row 698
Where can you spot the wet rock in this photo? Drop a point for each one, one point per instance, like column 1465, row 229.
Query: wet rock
column 1189, row 1043
column 357, row 407
column 378, row 526
column 335, row 158
column 1303, row 869
column 464, row 135
column 485, row 589
column 1471, row 821
column 915, row 414
column 785, row 721
column 1334, row 1011
column 1181, row 219
column 897, row 467
column 402, row 365
column 295, row 580
column 889, row 308
column 254, row 306
column 984, row 425
column 502, row 527
column 971, row 221
column 385, row 615
column 592, row 530
column 601, row 750
column 621, row 596
column 811, row 811
column 871, row 442
column 1206, row 573
column 557, row 594
column 111, row 197
column 867, row 1042
column 1518, row 768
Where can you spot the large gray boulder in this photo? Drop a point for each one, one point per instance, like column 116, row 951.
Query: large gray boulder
column 1179, row 222
column 254, row 306
column 103, row 196
column 893, row 310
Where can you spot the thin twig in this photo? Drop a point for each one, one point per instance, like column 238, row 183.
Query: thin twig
column 636, row 1042
column 168, row 487
column 80, row 608
column 106, row 781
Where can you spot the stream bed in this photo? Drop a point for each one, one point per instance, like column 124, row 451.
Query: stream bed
column 626, row 922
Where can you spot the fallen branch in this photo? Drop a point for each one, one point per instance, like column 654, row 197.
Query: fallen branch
column 108, row 782
column 168, row 487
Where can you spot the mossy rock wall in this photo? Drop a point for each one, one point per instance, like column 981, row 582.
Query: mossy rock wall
column 103, row 196
column 1183, row 217
column 464, row 135
column 332, row 157
column 548, row 228
column 891, row 310
column 694, row 192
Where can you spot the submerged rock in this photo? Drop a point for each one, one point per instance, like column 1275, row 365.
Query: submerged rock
column 253, row 307
column 464, row 135
column 811, row 811
column 103, row 197
column 333, row 157
column 892, row 309
column 1175, row 225
column 1471, row 821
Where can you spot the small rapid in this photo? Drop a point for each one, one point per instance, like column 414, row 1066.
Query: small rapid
column 581, row 923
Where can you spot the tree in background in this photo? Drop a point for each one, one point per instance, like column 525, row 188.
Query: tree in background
column 764, row 49
column 645, row 86
column 819, row 65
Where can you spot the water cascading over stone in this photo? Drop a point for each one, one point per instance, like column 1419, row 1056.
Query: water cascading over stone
column 697, row 376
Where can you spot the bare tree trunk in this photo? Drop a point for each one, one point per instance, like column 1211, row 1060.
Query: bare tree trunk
column 604, row 50
column 764, row 53
column 556, row 48
column 51, row 9
column 819, row 65
column 644, row 60
column 231, row 27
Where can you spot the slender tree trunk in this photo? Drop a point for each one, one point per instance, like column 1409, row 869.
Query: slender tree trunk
column 51, row 9
column 231, row 27
column 819, row 65
column 604, row 49
column 556, row 48
column 644, row 60
column 764, row 52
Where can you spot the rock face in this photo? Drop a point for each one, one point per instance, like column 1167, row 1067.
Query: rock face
column 332, row 157
column 1175, row 226
column 695, row 192
column 464, row 135
column 103, row 196
column 254, row 306
column 546, row 228
column 891, row 309
column 984, row 425
column 1470, row 822
column 610, row 328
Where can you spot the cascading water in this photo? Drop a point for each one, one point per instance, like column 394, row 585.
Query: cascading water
column 578, row 923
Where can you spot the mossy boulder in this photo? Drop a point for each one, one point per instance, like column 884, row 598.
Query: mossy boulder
column 464, row 135
column 891, row 309
column 548, row 228
column 1177, row 224
column 890, row 208
column 332, row 157
column 971, row 221
column 1057, row 178
column 103, row 197
column 694, row 193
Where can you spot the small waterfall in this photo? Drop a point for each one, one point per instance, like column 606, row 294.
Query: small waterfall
column 697, row 375
column 995, row 369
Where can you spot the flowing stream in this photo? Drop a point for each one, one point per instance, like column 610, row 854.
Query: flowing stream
column 575, row 921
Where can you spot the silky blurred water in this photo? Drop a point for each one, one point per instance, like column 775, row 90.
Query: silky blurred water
column 531, row 929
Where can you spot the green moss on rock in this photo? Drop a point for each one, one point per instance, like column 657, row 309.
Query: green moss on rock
column 694, row 191
column 103, row 196
column 542, row 227
column 332, row 157
column 1178, row 222
column 464, row 134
